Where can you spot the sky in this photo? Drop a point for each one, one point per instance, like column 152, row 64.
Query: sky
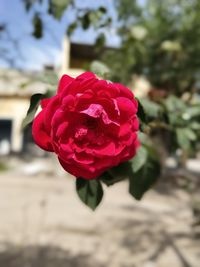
column 32, row 54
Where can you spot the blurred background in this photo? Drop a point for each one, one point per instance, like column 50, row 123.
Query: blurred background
column 151, row 46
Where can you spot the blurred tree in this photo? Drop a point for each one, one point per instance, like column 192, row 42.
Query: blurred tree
column 84, row 17
column 159, row 39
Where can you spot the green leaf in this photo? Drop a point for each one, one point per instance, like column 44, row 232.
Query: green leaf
column 57, row 7
column 34, row 103
column 140, row 158
column 142, row 180
column 107, row 178
column 191, row 135
column 121, row 171
column 102, row 9
column 152, row 152
column 144, row 138
column 100, row 69
column 174, row 104
column 151, row 109
column 145, row 176
column 193, row 111
column 194, row 125
column 107, row 22
column 71, row 28
column 37, row 27
column 97, row 17
column 85, row 21
column 100, row 41
column 175, row 109
column 184, row 137
column 89, row 191
column 116, row 174
column 141, row 114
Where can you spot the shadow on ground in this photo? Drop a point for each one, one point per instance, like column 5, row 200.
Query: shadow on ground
column 43, row 256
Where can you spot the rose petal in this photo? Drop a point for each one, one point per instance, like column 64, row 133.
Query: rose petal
column 97, row 111
column 83, row 158
column 62, row 129
column 49, row 111
column 86, row 75
column 44, row 102
column 126, row 106
column 77, row 171
column 64, row 82
column 104, row 150
column 68, row 102
column 40, row 136
column 58, row 119
column 124, row 91
column 135, row 124
column 66, row 152
column 110, row 108
column 78, row 86
column 94, row 110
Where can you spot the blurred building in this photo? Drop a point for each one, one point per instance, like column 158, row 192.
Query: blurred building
column 16, row 89
column 77, row 57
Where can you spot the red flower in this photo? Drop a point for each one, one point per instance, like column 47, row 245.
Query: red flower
column 90, row 124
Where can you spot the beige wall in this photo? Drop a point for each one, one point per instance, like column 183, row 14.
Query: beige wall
column 65, row 65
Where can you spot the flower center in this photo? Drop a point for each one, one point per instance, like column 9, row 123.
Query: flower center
column 91, row 123
column 81, row 133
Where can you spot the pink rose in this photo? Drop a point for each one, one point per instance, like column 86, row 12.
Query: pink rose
column 91, row 125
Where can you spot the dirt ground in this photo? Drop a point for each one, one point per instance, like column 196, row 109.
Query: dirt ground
column 44, row 224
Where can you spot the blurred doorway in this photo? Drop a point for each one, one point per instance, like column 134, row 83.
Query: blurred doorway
column 5, row 136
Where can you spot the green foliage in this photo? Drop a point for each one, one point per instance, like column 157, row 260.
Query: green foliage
column 100, row 69
column 90, row 192
column 57, row 7
column 157, row 44
column 100, row 41
column 144, row 179
column 183, row 119
column 37, row 26
column 141, row 113
column 151, row 109
column 95, row 18
column 140, row 159
column 34, row 104
column 176, row 117
column 72, row 27
column 142, row 172
column 184, row 137
column 84, row 17
column 116, row 174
